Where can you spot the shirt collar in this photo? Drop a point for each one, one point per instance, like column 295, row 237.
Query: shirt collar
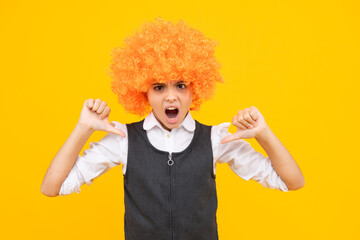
column 150, row 121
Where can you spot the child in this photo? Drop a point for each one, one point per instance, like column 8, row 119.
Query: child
column 169, row 159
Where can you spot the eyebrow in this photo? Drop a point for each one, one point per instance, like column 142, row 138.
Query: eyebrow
column 178, row 82
column 156, row 83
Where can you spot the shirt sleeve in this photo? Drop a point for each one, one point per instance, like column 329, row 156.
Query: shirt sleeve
column 244, row 160
column 109, row 152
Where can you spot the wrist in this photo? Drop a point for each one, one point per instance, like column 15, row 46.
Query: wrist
column 84, row 128
column 264, row 134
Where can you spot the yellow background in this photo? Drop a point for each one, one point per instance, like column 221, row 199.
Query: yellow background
column 296, row 61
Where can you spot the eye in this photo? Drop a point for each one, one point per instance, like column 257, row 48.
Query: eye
column 158, row 88
column 181, row 86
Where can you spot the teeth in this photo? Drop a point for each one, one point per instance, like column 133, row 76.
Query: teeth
column 171, row 108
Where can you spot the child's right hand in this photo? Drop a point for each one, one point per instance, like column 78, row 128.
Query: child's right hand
column 95, row 116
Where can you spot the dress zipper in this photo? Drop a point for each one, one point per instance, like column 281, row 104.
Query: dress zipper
column 170, row 162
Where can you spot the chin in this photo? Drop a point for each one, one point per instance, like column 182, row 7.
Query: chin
column 169, row 126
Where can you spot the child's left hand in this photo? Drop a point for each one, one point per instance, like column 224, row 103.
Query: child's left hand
column 249, row 123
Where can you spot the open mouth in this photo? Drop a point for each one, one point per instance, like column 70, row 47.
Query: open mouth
column 171, row 112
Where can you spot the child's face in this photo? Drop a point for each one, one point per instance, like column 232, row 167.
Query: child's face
column 170, row 102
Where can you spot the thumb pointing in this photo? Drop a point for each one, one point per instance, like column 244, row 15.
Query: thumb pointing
column 112, row 129
column 229, row 138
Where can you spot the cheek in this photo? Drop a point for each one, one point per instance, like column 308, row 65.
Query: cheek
column 154, row 100
column 150, row 98
column 190, row 96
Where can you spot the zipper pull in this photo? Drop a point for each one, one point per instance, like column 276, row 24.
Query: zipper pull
column 170, row 162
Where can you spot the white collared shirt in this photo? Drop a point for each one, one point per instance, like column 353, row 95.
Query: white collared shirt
column 112, row 149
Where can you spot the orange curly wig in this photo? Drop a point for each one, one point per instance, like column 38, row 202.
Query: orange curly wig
column 162, row 51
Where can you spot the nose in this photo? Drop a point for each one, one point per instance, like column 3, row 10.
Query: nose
column 171, row 95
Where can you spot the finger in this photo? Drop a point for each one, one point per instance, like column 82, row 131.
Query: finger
column 105, row 113
column 241, row 120
column 253, row 113
column 111, row 129
column 248, row 119
column 101, row 108
column 236, row 123
column 229, row 138
column 90, row 103
column 116, row 131
column 96, row 105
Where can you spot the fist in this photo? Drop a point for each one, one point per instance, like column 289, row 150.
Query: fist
column 95, row 116
column 249, row 123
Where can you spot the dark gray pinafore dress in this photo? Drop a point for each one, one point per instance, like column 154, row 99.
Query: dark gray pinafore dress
column 170, row 196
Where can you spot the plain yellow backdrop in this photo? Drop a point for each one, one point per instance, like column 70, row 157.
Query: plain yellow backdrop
column 296, row 61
